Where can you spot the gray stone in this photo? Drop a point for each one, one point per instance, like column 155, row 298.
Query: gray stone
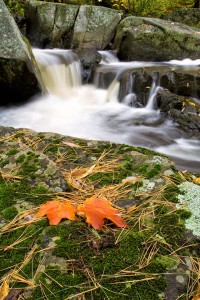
column 50, row 24
column 18, row 81
column 94, row 27
column 150, row 39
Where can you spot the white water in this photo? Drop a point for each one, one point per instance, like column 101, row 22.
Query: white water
column 89, row 112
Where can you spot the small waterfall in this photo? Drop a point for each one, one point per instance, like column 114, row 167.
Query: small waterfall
column 155, row 88
column 60, row 70
column 107, row 110
column 108, row 57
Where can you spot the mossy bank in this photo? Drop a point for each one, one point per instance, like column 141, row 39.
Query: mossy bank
column 150, row 259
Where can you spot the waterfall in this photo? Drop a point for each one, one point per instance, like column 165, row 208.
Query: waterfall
column 60, row 70
column 108, row 109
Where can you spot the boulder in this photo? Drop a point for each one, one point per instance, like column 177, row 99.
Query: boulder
column 93, row 30
column 182, row 110
column 49, row 25
column 94, row 27
column 188, row 16
column 149, row 39
column 18, row 81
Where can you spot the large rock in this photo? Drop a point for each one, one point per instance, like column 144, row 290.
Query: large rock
column 94, row 27
column 49, row 25
column 150, row 39
column 18, row 81
column 188, row 16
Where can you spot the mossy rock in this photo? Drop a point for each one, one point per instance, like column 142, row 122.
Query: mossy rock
column 73, row 259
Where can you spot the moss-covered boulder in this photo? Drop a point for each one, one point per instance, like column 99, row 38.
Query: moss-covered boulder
column 150, row 39
column 155, row 257
column 188, row 16
column 150, row 259
column 18, row 81
column 49, row 25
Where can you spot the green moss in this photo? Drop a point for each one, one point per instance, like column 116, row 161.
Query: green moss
column 170, row 227
column 14, row 256
column 162, row 209
column 184, row 214
column 16, row 191
column 154, row 171
column 121, row 149
column 12, row 151
column 102, row 178
column 148, row 171
column 168, row 262
column 9, row 213
column 3, row 162
column 76, row 245
column 20, row 158
column 62, row 285
column 171, row 192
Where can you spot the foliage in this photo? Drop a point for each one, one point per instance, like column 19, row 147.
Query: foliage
column 56, row 210
column 15, row 6
column 95, row 210
column 149, row 8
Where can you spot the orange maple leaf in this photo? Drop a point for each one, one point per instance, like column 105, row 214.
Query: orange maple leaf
column 96, row 210
column 57, row 210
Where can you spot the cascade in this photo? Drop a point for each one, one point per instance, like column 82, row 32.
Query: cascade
column 106, row 110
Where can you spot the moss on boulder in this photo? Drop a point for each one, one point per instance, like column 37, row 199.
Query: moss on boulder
column 144, row 39
column 146, row 260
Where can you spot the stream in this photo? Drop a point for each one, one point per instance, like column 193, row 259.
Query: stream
column 106, row 109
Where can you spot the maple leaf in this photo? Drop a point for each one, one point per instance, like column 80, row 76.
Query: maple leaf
column 96, row 210
column 57, row 210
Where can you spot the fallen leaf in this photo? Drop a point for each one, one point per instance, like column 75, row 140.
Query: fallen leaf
column 57, row 210
column 14, row 294
column 4, row 290
column 96, row 210
column 196, row 180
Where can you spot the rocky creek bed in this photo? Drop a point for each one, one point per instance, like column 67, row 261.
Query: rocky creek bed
column 155, row 257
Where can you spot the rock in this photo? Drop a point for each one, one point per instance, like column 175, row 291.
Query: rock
column 49, row 25
column 185, row 83
column 155, row 241
column 188, row 16
column 93, row 30
column 89, row 59
column 94, row 27
column 149, row 39
column 18, row 81
column 183, row 111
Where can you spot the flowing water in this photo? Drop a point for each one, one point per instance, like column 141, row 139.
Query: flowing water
column 105, row 110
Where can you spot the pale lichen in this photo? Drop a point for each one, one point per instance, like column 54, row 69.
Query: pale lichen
column 190, row 200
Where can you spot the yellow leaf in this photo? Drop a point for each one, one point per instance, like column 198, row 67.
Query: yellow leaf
column 196, row 180
column 4, row 290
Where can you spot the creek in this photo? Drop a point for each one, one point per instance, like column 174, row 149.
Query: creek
column 106, row 109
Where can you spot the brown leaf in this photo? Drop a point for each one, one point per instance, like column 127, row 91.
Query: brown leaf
column 14, row 294
column 96, row 210
column 57, row 210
